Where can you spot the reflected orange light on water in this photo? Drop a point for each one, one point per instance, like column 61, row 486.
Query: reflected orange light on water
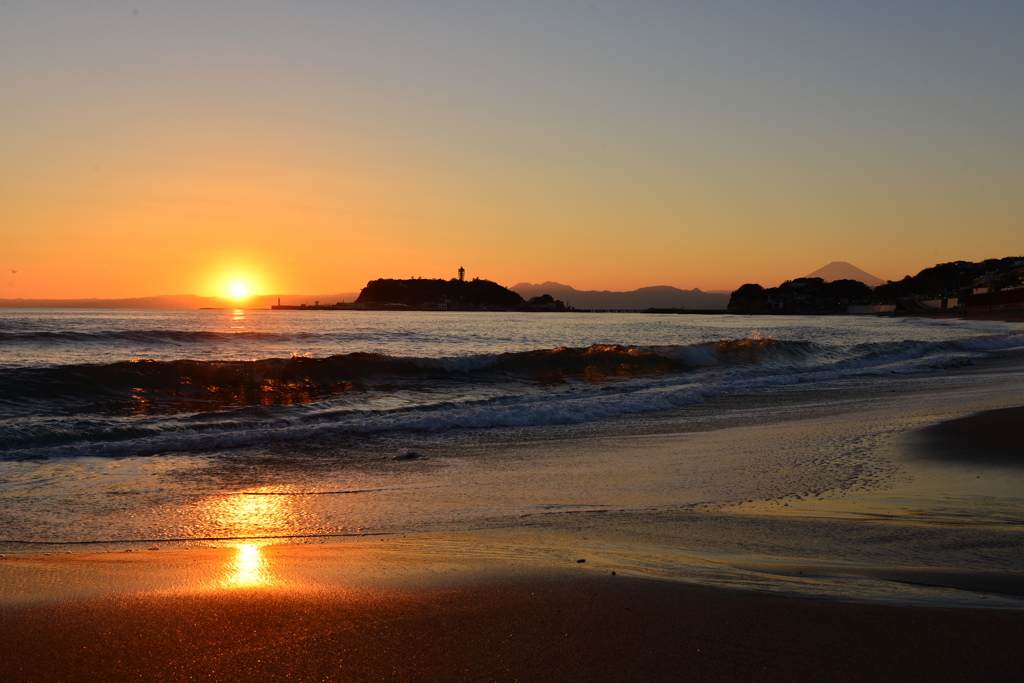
column 245, row 517
column 249, row 514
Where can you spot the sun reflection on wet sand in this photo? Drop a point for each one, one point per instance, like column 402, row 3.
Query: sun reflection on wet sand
column 249, row 568
column 245, row 520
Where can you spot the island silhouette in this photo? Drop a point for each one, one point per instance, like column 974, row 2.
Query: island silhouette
column 439, row 294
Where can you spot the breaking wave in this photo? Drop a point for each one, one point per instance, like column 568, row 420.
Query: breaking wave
column 147, row 407
column 518, row 411
column 299, row 379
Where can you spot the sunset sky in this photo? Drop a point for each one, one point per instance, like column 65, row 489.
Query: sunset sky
column 170, row 148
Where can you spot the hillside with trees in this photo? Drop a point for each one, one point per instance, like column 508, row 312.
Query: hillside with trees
column 954, row 279
column 802, row 295
column 991, row 282
column 454, row 294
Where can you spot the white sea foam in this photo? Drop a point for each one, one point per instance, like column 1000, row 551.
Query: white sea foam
column 530, row 411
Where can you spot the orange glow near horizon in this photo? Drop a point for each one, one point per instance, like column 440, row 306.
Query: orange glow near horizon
column 309, row 169
column 238, row 282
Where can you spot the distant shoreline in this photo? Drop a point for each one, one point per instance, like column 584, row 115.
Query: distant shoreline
column 1008, row 315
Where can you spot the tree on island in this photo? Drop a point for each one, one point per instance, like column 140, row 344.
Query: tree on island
column 544, row 302
column 749, row 298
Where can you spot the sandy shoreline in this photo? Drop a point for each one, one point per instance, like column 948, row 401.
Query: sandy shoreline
column 1007, row 315
column 790, row 588
column 362, row 614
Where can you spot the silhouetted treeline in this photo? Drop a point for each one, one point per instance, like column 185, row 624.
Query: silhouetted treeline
column 544, row 302
column 957, row 278
column 802, row 295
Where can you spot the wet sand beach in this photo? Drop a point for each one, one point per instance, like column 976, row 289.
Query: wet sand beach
column 442, row 619
column 864, row 529
column 1013, row 314
column 991, row 437
column 517, row 604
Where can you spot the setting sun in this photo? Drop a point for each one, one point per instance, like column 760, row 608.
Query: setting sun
column 238, row 290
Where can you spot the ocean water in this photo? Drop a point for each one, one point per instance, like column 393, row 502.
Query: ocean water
column 78, row 383
column 121, row 427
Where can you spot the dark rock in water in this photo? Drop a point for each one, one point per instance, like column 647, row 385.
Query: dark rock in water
column 408, row 455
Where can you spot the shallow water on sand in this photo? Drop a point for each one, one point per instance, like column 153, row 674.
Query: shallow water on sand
column 713, row 448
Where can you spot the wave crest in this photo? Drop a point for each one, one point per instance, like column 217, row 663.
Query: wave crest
column 211, row 385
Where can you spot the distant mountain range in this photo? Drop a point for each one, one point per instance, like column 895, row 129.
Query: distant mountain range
column 841, row 270
column 638, row 299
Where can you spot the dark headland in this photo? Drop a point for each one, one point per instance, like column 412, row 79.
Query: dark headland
column 993, row 286
column 424, row 294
